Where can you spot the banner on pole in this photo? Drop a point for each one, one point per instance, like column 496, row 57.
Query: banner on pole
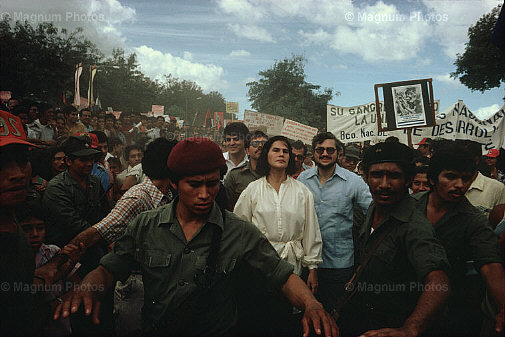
column 254, row 120
column 359, row 123
column 77, row 95
column 298, row 131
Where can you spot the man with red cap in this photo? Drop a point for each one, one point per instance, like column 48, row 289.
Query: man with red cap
column 490, row 158
column 424, row 147
column 187, row 251
column 16, row 256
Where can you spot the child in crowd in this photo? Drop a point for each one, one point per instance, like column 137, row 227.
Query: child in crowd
column 30, row 219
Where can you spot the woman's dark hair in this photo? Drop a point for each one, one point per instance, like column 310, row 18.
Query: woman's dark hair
column 451, row 156
column 154, row 162
column 263, row 167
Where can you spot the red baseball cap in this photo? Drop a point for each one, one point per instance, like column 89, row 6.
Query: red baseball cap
column 493, row 153
column 11, row 130
column 424, row 141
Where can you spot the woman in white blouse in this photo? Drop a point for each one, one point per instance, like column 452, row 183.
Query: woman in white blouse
column 283, row 209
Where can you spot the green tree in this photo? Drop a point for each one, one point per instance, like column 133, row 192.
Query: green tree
column 482, row 65
column 282, row 90
column 38, row 63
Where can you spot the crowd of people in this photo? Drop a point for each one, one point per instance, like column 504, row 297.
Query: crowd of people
column 131, row 226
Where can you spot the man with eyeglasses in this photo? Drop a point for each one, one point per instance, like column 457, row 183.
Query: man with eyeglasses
column 234, row 139
column 336, row 191
column 299, row 152
column 238, row 178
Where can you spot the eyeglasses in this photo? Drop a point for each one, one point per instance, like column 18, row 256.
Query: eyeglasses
column 300, row 157
column 256, row 143
column 329, row 150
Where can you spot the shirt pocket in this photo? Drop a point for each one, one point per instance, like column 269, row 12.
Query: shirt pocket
column 154, row 262
column 224, row 267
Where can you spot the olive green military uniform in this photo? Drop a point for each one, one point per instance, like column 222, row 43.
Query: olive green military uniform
column 390, row 285
column 237, row 180
column 155, row 242
column 466, row 236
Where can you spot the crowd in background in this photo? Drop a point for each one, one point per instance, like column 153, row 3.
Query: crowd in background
column 92, row 174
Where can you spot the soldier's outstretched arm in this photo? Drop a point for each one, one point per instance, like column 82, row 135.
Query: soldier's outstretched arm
column 89, row 292
column 435, row 293
column 314, row 314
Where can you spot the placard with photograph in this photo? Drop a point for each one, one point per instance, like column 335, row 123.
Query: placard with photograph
column 407, row 104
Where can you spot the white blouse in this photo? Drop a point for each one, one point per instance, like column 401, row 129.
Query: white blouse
column 288, row 220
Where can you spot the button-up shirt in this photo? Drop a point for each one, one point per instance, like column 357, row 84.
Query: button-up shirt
column 392, row 281
column 141, row 197
column 485, row 193
column 334, row 203
column 156, row 242
column 466, row 236
column 287, row 219
column 237, row 180
column 230, row 164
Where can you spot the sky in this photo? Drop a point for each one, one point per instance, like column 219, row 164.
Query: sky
column 223, row 44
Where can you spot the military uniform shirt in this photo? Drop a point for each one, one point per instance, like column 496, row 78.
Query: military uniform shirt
column 390, row 284
column 237, row 180
column 465, row 235
column 155, row 242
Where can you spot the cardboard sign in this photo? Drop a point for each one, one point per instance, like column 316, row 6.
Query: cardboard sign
column 273, row 123
column 298, row 131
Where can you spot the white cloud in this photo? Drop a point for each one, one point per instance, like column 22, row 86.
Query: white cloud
column 452, row 20
column 99, row 19
column 240, row 52
column 243, row 9
column 188, row 56
column 486, row 112
column 252, row 32
column 155, row 64
column 447, row 79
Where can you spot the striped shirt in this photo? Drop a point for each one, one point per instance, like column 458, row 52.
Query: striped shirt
column 141, row 197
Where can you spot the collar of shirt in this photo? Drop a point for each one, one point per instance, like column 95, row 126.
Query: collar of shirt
column 401, row 212
column 168, row 215
column 478, row 183
column 156, row 193
column 229, row 162
column 463, row 206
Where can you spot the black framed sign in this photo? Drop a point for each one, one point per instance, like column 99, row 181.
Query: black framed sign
column 407, row 104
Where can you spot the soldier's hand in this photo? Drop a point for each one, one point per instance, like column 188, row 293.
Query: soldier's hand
column 71, row 301
column 401, row 332
column 500, row 320
column 315, row 315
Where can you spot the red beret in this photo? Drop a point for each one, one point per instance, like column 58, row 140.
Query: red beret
column 195, row 155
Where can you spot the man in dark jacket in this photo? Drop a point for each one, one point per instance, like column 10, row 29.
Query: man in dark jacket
column 74, row 200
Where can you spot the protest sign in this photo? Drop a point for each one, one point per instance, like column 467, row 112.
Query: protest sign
column 298, row 131
column 232, row 107
column 359, row 123
column 254, row 119
column 158, row 110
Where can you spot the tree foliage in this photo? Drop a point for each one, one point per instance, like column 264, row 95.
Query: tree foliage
column 282, row 90
column 482, row 65
column 38, row 63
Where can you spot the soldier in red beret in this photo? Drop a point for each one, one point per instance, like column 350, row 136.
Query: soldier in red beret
column 188, row 251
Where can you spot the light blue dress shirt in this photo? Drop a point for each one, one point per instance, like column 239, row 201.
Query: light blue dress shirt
column 334, row 203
